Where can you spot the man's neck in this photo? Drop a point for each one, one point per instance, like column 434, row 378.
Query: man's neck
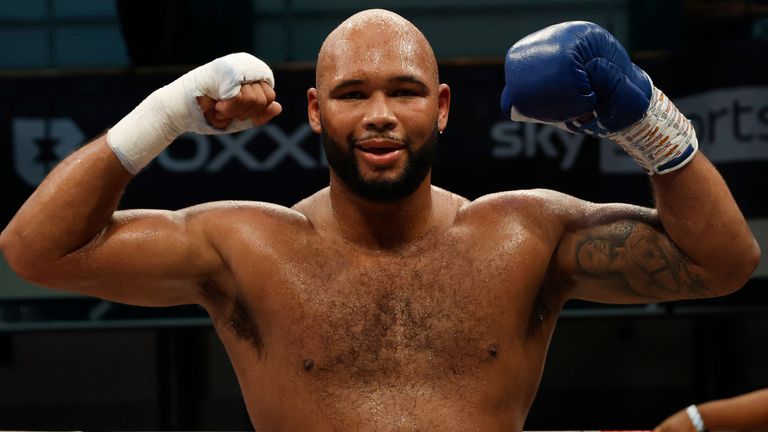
column 382, row 225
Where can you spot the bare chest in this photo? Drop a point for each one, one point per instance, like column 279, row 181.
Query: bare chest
column 443, row 310
column 393, row 315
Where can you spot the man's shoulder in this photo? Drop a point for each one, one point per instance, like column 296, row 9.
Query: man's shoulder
column 533, row 214
column 536, row 210
column 537, row 202
column 244, row 214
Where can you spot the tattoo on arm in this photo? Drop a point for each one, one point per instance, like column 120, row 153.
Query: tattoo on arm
column 644, row 257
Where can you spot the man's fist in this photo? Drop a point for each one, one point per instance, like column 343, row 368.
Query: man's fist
column 576, row 75
column 229, row 94
column 255, row 102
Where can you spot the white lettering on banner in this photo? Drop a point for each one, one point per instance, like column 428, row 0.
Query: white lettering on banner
column 731, row 125
column 235, row 149
column 530, row 140
column 288, row 145
column 40, row 143
column 197, row 161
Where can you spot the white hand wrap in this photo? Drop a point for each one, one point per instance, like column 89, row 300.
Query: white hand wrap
column 663, row 140
column 173, row 110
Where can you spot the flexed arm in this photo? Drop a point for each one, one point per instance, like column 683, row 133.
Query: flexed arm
column 576, row 76
column 68, row 235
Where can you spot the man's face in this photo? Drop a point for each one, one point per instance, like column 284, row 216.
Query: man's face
column 378, row 108
column 595, row 257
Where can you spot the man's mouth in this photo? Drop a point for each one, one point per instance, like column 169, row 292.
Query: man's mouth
column 380, row 152
column 379, row 146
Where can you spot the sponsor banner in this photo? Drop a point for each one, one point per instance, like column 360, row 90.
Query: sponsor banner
column 45, row 119
column 731, row 125
column 42, row 119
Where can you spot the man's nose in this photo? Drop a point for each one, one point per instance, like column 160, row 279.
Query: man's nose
column 379, row 115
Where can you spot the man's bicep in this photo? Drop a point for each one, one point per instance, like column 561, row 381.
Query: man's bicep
column 628, row 258
column 142, row 257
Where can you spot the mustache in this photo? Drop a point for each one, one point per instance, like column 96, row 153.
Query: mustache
column 376, row 135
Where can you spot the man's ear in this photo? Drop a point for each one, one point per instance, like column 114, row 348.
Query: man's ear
column 443, row 106
column 313, row 110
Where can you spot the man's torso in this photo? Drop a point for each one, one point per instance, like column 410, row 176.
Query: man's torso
column 447, row 332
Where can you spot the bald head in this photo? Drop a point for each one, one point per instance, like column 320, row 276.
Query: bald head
column 372, row 40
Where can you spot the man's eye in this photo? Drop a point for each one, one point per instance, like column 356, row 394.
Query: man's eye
column 404, row 93
column 351, row 95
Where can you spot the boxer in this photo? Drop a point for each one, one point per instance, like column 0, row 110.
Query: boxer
column 382, row 302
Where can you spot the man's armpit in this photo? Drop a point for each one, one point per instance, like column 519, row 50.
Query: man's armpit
column 645, row 258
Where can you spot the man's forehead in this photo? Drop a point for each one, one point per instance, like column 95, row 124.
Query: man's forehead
column 375, row 52
column 376, row 41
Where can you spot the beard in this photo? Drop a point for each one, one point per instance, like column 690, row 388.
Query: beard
column 341, row 159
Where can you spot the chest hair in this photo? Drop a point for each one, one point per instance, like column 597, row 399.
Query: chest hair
column 433, row 310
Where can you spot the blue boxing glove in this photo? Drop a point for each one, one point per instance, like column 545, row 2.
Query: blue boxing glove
column 578, row 77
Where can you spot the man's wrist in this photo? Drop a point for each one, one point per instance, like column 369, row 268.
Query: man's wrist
column 144, row 133
column 663, row 141
column 696, row 419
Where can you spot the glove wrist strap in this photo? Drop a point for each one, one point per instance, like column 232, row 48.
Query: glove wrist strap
column 663, row 140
